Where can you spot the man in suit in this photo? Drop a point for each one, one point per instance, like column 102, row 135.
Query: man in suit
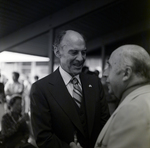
column 128, row 78
column 58, row 117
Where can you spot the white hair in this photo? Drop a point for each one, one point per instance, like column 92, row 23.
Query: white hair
column 137, row 58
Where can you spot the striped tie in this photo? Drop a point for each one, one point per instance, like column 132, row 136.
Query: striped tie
column 77, row 92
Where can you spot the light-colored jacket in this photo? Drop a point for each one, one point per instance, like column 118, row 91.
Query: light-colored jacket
column 129, row 125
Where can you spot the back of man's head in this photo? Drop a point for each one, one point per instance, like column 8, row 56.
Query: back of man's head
column 137, row 58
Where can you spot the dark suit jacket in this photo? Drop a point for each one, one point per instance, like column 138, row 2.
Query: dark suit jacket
column 54, row 116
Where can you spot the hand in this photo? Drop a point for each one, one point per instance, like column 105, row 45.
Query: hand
column 73, row 145
column 25, row 117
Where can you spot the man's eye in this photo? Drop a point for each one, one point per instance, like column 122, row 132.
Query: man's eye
column 83, row 52
column 106, row 66
column 73, row 52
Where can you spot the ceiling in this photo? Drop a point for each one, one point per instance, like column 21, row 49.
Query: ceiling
column 113, row 25
column 16, row 14
column 118, row 15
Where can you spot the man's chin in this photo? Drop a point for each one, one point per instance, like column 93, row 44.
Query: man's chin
column 76, row 72
column 111, row 93
column 110, row 90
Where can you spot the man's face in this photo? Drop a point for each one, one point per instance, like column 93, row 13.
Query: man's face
column 14, row 77
column 114, row 76
column 72, row 55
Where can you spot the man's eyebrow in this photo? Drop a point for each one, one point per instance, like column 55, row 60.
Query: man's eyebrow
column 85, row 50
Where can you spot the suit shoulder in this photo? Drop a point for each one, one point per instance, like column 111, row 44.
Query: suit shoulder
column 93, row 79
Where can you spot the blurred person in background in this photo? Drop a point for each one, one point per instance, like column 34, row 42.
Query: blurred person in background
column 36, row 78
column 85, row 69
column 3, row 78
column 2, row 101
column 68, row 105
column 14, row 87
column 14, row 125
column 26, row 93
column 96, row 72
column 2, row 93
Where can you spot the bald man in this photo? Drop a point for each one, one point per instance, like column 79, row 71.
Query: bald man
column 58, row 117
column 128, row 78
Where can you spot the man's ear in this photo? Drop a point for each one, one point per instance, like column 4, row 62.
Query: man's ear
column 57, row 52
column 127, row 73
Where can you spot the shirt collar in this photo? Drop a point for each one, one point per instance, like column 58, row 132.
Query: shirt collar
column 66, row 76
column 130, row 89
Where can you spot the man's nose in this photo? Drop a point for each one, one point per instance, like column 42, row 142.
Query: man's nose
column 105, row 73
column 80, row 57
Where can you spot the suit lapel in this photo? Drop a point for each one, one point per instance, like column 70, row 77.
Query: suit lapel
column 64, row 99
column 88, row 93
column 130, row 97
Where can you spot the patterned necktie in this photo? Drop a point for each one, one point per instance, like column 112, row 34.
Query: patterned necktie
column 77, row 92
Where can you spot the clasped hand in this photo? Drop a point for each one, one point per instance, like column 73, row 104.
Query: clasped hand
column 73, row 145
column 25, row 117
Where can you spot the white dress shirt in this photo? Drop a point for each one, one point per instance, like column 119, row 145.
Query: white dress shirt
column 67, row 77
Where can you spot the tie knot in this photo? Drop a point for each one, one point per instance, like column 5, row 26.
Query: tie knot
column 74, row 81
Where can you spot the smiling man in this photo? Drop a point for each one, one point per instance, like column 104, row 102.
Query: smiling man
column 68, row 106
column 128, row 78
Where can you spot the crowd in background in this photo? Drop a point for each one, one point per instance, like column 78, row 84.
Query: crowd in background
column 15, row 122
column 9, row 87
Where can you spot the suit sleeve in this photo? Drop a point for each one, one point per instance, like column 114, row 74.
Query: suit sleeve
column 42, row 122
column 129, row 129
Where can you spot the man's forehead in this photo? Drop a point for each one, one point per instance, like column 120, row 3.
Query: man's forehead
column 114, row 59
column 73, row 45
column 72, row 36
